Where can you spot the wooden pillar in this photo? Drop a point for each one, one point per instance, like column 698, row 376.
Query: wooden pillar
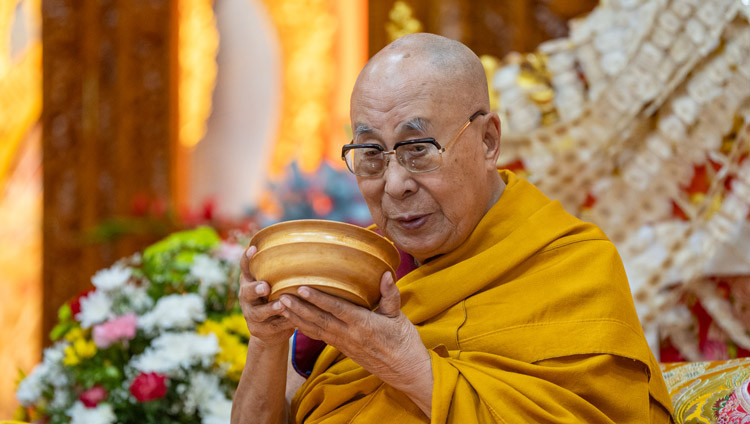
column 108, row 122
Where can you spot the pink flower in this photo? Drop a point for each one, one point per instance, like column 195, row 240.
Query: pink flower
column 149, row 386
column 230, row 252
column 114, row 330
column 91, row 397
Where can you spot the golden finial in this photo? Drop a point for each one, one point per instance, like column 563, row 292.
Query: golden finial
column 402, row 21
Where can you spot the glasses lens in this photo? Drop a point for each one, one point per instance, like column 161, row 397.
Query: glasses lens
column 418, row 157
column 365, row 161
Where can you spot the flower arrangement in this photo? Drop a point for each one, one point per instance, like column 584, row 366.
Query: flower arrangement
column 158, row 339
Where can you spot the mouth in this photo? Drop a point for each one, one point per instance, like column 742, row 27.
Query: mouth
column 411, row 222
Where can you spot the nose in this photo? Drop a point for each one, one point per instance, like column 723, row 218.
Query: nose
column 399, row 183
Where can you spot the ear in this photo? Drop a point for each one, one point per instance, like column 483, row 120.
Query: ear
column 491, row 140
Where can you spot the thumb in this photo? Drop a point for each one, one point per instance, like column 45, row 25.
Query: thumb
column 390, row 297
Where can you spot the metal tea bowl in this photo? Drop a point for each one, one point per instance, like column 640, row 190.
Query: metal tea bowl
column 340, row 259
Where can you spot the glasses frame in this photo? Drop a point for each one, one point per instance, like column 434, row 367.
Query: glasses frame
column 386, row 154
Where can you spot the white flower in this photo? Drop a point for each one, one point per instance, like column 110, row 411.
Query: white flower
column 95, row 308
column 171, row 352
column 61, row 399
column 111, row 278
column 52, row 365
column 176, row 311
column 30, row 389
column 56, row 377
column 54, row 354
column 217, row 411
column 202, row 389
column 138, row 298
column 208, row 271
column 102, row 414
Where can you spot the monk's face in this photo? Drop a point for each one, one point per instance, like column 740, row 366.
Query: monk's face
column 431, row 213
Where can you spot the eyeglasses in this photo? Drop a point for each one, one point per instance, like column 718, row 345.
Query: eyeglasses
column 419, row 155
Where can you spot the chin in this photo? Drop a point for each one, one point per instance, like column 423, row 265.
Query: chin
column 417, row 247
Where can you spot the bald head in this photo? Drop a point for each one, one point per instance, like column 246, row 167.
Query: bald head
column 424, row 58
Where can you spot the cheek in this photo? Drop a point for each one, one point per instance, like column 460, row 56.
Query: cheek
column 460, row 196
column 370, row 188
column 454, row 205
column 372, row 191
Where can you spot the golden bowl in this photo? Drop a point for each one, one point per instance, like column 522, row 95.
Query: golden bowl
column 340, row 259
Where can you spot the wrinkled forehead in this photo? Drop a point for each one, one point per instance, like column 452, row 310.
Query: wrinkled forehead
column 385, row 117
column 400, row 105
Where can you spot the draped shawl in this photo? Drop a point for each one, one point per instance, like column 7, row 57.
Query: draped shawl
column 523, row 322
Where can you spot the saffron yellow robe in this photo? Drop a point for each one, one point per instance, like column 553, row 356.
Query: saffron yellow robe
column 530, row 320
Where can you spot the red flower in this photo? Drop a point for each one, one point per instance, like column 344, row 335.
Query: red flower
column 139, row 204
column 149, row 386
column 91, row 397
column 208, row 208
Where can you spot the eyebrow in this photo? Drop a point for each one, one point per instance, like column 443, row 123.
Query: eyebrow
column 361, row 129
column 416, row 124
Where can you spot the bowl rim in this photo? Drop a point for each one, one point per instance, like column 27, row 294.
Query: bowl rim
column 392, row 255
column 342, row 248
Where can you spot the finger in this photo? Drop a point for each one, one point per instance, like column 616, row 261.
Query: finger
column 340, row 308
column 253, row 292
column 261, row 313
column 390, row 297
column 310, row 329
column 245, row 263
column 311, row 314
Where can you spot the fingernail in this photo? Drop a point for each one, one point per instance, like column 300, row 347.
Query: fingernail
column 286, row 301
column 250, row 251
column 260, row 289
column 303, row 291
column 276, row 306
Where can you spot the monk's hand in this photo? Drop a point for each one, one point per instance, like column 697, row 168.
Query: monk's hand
column 383, row 342
column 263, row 319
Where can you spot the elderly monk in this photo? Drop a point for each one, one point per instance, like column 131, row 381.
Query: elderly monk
column 514, row 311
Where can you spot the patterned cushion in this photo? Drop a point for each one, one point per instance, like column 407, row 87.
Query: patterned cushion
column 709, row 392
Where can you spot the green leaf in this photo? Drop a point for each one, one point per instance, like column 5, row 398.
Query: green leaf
column 203, row 238
column 184, row 259
column 64, row 313
column 111, row 372
column 60, row 330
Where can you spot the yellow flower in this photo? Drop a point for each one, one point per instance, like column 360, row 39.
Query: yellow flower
column 21, row 414
column 71, row 359
column 231, row 333
column 84, row 348
column 76, row 333
column 236, row 323
column 210, row 326
column 232, row 357
column 80, row 348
